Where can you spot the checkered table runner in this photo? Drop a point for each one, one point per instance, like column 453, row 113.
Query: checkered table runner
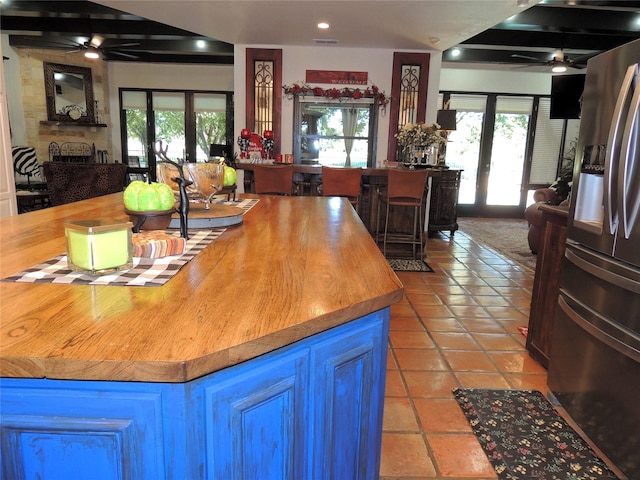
column 145, row 271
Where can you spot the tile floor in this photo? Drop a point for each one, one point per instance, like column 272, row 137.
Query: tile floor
column 455, row 327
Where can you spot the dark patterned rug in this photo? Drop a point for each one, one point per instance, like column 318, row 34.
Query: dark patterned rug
column 409, row 265
column 525, row 438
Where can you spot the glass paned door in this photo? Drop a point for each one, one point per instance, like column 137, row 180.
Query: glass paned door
column 511, row 125
column 463, row 145
column 135, row 138
column 210, row 122
column 169, row 115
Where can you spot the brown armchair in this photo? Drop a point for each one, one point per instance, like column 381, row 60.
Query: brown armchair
column 533, row 215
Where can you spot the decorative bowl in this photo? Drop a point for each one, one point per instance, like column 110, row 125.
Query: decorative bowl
column 150, row 219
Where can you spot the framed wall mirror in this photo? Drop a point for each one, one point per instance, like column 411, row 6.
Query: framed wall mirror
column 69, row 92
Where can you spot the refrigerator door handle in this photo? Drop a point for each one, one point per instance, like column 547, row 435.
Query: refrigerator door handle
column 610, row 277
column 628, row 167
column 580, row 319
column 611, row 154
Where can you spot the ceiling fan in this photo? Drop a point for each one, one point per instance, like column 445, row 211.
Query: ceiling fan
column 559, row 63
column 95, row 48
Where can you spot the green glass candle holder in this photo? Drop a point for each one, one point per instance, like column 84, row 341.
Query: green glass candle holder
column 99, row 247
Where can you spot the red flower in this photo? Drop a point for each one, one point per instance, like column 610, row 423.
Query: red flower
column 317, row 92
column 357, row 94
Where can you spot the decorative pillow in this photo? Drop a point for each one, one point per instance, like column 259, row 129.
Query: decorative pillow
column 26, row 165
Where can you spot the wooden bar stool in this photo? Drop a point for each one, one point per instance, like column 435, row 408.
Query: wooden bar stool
column 342, row 182
column 273, row 179
column 405, row 188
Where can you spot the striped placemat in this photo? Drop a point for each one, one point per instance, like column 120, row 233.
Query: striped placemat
column 146, row 272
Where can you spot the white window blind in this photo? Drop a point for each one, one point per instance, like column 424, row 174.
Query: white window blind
column 546, row 146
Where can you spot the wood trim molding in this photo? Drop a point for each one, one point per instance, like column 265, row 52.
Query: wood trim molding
column 400, row 59
column 275, row 56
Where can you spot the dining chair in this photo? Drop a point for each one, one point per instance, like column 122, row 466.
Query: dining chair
column 273, row 179
column 342, row 182
column 405, row 188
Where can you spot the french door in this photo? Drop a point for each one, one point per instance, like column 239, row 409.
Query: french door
column 490, row 145
column 186, row 122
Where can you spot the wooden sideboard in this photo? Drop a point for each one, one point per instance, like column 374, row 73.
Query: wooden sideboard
column 546, row 283
column 443, row 208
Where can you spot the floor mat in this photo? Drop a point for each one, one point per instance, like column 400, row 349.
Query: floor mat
column 409, row 265
column 525, row 438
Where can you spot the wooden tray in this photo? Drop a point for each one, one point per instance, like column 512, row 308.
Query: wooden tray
column 216, row 216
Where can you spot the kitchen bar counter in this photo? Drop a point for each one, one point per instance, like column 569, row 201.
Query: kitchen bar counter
column 444, row 182
column 263, row 325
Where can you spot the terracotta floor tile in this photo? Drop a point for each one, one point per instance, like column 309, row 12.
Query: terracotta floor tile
column 401, row 309
column 430, row 384
column 442, row 415
column 507, row 312
column 516, row 362
column 424, row 299
column 468, row 311
column 405, row 455
column 475, row 290
column 391, row 361
column 409, row 339
column 525, row 381
column 430, row 311
column 420, row 359
column 405, row 323
column 464, row 361
column 460, row 455
column 399, row 415
column 454, row 341
column 482, row 325
column 496, row 341
column 454, row 289
column 458, row 300
column 482, row 380
column 394, row 386
column 443, row 325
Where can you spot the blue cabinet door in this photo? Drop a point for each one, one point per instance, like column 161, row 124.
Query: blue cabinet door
column 53, row 429
column 348, row 397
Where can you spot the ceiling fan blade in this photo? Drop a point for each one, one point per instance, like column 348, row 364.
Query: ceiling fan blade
column 517, row 55
column 115, row 52
column 122, row 45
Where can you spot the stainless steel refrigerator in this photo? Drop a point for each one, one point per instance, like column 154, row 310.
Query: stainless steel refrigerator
column 594, row 365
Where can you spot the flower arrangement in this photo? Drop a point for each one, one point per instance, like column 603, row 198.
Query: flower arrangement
column 420, row 135
column 340, row 94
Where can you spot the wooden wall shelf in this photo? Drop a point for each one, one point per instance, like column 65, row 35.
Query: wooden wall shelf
column 71, row 124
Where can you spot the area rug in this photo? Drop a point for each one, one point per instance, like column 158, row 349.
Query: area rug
column 506, row 235
column 525, row 438
column 409, row 265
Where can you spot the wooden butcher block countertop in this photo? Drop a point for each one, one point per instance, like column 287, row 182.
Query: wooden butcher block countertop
column 296, row 266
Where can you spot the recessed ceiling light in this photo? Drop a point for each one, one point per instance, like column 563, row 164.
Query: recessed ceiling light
column 456, row 52
column 323, row 25
column 200, row 43
column 559, row 69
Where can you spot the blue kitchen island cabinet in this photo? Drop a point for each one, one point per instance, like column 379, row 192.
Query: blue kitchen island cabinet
column 194, row 380
column 311, row 410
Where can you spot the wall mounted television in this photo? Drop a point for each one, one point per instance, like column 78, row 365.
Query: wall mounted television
column 566, row 91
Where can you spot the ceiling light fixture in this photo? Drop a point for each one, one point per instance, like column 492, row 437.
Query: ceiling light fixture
column 92, row 53
column 559, row 69
column 323, row 25
column 201, row 44
column 456, row 52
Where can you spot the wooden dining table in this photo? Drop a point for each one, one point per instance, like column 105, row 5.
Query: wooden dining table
column 275, row 332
